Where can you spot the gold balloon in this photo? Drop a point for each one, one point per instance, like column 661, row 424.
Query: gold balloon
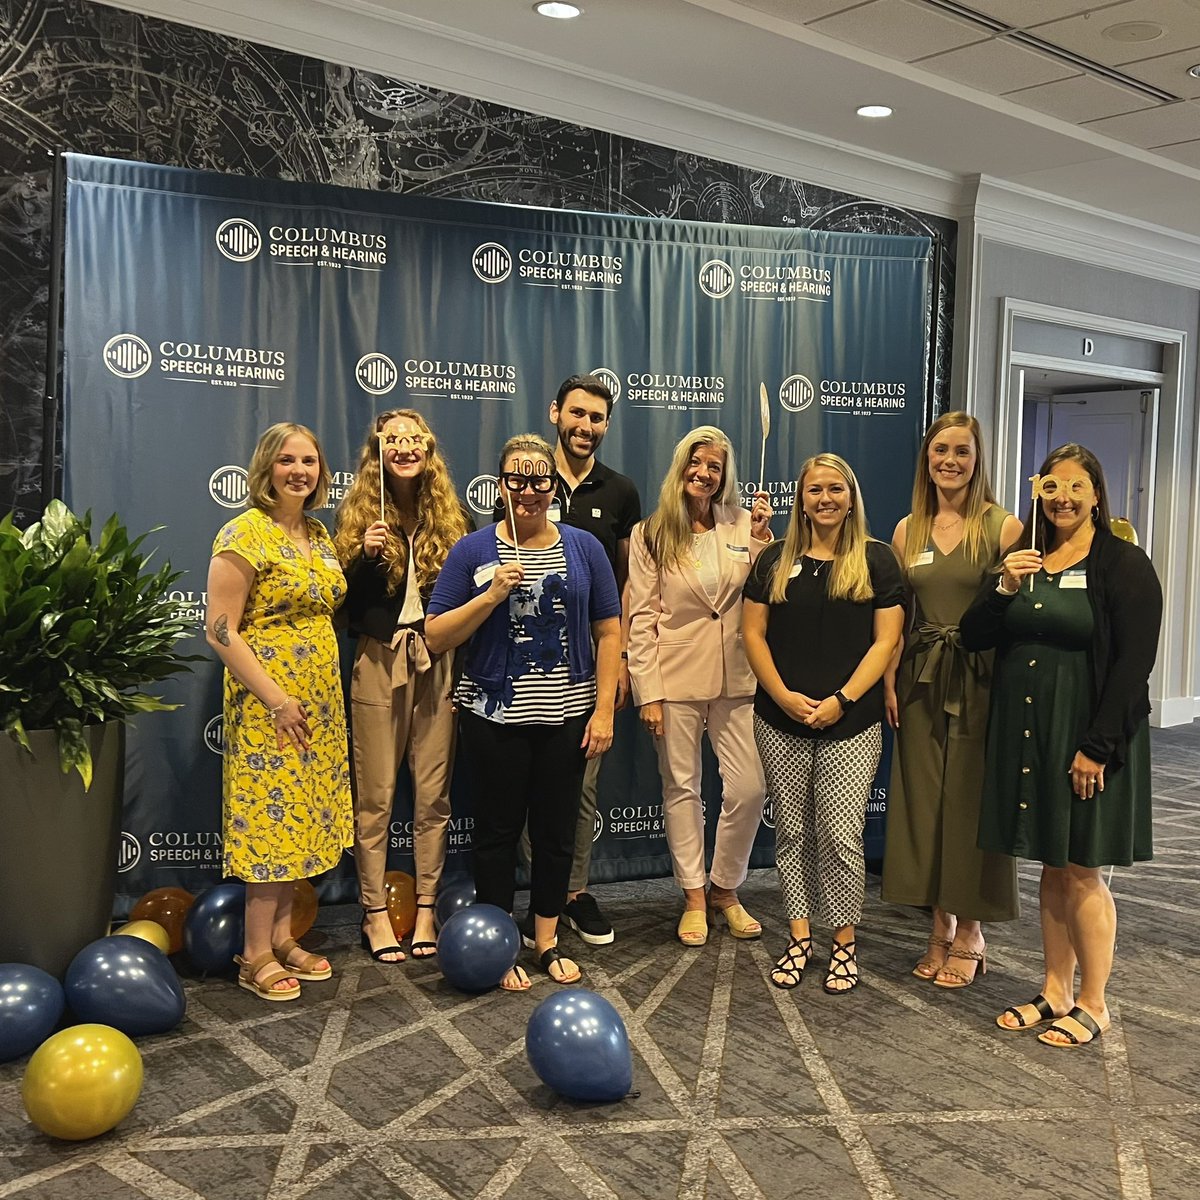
column 400, row 890
column 166, row 907
column 304, row 907
column 82, row 1082
column 148, row 931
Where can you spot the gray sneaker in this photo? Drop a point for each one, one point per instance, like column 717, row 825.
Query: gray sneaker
column 584, row 916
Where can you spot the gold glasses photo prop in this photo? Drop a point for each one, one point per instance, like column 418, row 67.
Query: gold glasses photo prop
column 1048, row 487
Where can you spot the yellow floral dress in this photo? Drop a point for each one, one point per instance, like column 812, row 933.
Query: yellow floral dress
column 287, row 814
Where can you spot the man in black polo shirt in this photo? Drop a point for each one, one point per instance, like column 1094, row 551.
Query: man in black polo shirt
column 593, row 497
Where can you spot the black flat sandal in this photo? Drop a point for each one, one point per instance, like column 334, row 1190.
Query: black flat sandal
column 792, row 963
column 548, row 958
column 423, row 949
column 377, row 955
column 841, row 959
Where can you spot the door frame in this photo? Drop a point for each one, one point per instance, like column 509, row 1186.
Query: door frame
column 1173, row 514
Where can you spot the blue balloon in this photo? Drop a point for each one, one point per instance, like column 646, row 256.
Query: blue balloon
column 477, row 947
column 31, row 1002
column 126, row 983
column 578, row 1045
column 454, row 896
column 215, row 927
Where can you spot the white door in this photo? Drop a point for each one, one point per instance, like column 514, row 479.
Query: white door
column 1118, row 427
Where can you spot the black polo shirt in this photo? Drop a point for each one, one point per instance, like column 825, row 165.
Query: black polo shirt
column 605, row 504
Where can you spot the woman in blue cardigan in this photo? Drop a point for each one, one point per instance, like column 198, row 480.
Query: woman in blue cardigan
column 536, row 605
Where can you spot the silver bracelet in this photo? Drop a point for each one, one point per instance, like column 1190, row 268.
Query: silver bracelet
column 274, row 712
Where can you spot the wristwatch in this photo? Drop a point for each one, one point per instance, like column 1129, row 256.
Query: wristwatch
column 844, row 700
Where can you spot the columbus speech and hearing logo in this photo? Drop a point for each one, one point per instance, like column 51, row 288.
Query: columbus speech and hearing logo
column 238, row 240
column 482, row 493
column 796, row 393
column 214, row 734
column 716, row 279
column 229, row 486
column 610, row 379
column 127, row 356
column 491, row 262
column 768, row 813
column 597, row 826
column 129, row 852
column 376, row 373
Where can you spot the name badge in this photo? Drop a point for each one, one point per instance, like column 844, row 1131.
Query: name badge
column 794, row 573
column 554, row 513
column 597, row 513
column 738, row 553
column 924, row 559
column 1073, row 579
column 484, row 574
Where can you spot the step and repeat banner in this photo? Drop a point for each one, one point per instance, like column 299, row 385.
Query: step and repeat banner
column 201, row 308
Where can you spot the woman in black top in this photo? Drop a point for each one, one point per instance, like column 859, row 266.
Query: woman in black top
column 1067, row 776
column 823, row 614
column 400, row 692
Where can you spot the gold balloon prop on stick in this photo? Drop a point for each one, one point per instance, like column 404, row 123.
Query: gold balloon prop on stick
column 82, row 1082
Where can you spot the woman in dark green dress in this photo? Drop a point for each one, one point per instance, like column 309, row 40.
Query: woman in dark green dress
column 1067, row 780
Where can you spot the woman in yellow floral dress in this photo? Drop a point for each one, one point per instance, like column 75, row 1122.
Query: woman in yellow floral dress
column 273, row 585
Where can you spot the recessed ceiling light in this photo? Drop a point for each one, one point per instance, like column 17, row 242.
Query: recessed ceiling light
column 1194, row 72
column 874, row 110
column 561, row 12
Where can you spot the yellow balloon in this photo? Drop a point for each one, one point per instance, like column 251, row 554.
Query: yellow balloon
column 148, row 931
column 82, row 1082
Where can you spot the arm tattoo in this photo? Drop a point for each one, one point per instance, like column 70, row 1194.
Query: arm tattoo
column 221, row 629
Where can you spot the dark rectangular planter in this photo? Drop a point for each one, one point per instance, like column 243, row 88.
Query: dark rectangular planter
column 58, row 847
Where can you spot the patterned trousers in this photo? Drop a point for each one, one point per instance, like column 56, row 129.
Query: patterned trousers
column 820, row 790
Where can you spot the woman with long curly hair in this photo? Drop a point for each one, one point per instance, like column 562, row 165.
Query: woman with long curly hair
column 400, row 691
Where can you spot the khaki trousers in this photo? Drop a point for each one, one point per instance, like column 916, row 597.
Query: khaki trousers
column 731, row 732
column 400, row 702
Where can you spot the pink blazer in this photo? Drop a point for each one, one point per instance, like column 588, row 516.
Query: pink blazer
column 682, row 646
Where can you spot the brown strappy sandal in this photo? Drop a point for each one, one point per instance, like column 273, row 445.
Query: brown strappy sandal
column 273, row 973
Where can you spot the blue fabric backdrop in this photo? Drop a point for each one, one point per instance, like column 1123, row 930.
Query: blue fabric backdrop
column 200, row 308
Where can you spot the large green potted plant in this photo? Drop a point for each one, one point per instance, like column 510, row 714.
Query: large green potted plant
column 84, row 626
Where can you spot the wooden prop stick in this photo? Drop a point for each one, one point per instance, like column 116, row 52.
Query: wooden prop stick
column 764, row 412
column 512, row 521
column 1036, row 480
column 382, row 503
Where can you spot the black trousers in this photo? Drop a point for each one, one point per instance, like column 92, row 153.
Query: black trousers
column 524, row 773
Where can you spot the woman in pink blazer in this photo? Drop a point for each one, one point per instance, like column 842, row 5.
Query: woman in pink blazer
column 687, row 564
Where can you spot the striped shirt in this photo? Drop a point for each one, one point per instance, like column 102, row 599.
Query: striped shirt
column 537, row 688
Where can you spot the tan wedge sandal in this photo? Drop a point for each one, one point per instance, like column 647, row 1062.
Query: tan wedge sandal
column 272, row 973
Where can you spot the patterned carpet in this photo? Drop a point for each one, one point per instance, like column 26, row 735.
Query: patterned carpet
column 385, row 1082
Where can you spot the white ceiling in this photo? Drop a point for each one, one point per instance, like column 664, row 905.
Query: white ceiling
column 1046, row 95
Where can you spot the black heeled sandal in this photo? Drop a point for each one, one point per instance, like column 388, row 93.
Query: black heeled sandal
column 792, row 963
column 424, row 949
column 843, row 956
column 377, row 955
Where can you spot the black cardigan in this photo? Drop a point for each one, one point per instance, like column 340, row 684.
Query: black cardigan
column 368, row 608
column 1126, row 601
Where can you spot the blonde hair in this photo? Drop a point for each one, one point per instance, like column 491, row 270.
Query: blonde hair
column 850, row 578
column 440, row 519
column 262, row 463
column 924, row 495
column 668, row 530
